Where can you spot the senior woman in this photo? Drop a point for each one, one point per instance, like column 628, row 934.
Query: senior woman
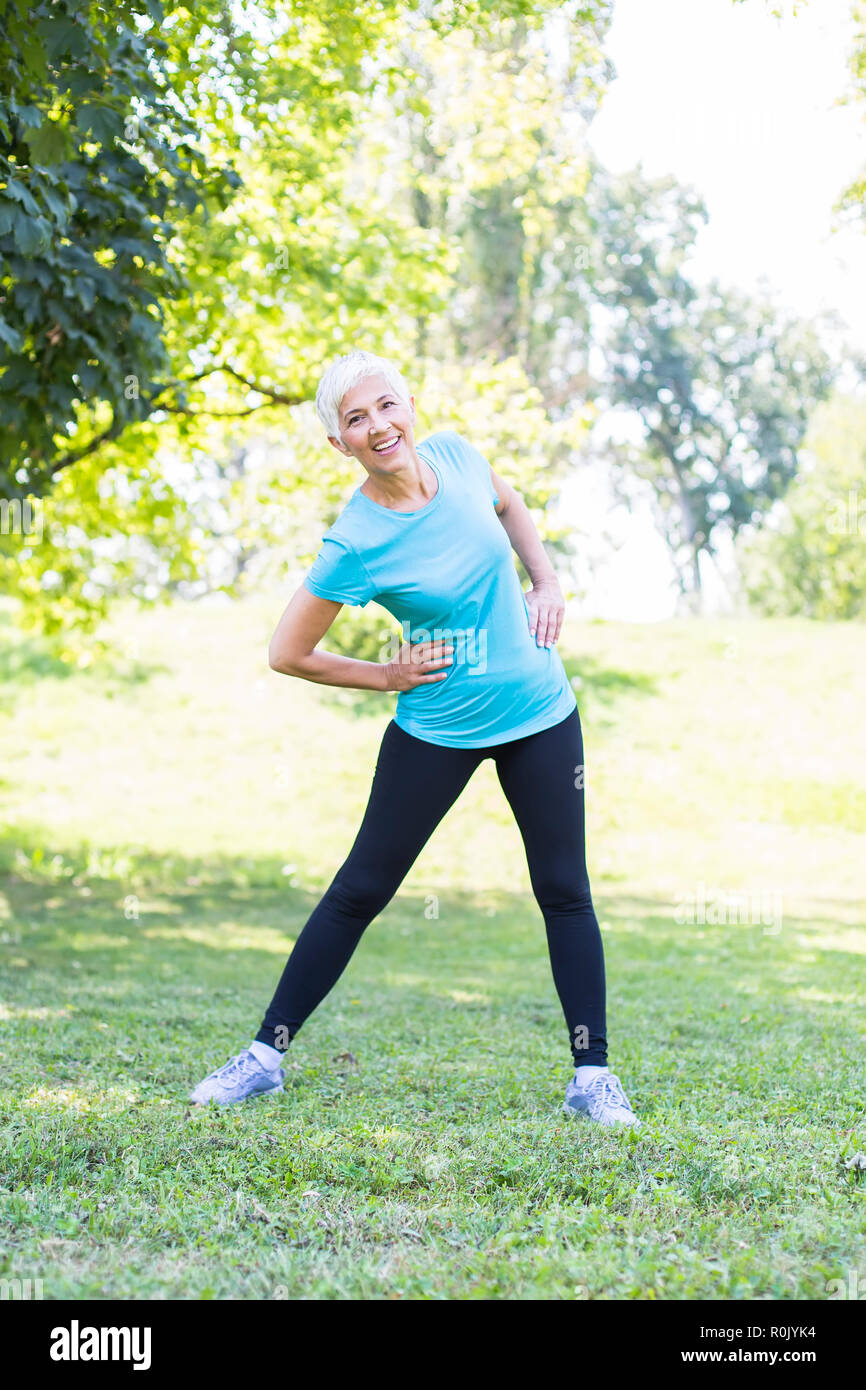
column 428, row 535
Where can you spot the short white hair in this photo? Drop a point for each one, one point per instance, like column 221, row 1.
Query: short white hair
column 344, row 373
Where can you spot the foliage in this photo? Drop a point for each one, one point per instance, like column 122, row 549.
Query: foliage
column 97, row 162
column 495, row 145
column 366, row 634
column 102, row 535
column 853, row 199
column 320, row 247
column 411, row 177
column 722, row 383
column 123, row 141
column 812, row 559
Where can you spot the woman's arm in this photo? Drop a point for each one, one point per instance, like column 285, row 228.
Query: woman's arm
column 305, row 621
column 544, row 600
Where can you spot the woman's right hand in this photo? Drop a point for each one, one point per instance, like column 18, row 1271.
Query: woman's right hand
column 418, row 663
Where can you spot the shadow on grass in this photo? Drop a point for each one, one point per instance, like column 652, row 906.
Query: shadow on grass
column 181, row 940
column 358, row 704
column 606, row 686
column 26, row 660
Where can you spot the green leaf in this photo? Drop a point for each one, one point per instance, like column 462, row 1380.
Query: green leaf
column 100, row 122
column 29, row 297
column 32, row 234
column 90, row 377
column 10, row 336
column 29, row 116
column 22, row 195
column 9, row 215
column 51, row 143
column 55, row 206
column 84, row 291
column 33, row 55
column 61, row 37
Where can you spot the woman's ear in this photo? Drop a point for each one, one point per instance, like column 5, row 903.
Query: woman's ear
column 338, row 444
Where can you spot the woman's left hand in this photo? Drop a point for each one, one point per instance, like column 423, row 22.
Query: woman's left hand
column 546, row 611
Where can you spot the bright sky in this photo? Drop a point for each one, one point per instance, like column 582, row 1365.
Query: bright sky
column 743, row 106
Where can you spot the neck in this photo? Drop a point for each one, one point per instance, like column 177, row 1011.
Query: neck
column 405, row 489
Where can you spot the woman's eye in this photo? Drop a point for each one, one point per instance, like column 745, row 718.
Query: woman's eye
column 355, row 418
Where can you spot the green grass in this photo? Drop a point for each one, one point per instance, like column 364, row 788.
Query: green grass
column 172, row 821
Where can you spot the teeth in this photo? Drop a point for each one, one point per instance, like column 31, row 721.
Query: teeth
column 386, row 444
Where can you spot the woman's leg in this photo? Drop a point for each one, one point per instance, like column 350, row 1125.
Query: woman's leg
column 414, row 784
column 542, row 777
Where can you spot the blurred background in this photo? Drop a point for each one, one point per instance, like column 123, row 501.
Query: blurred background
column 620, row 245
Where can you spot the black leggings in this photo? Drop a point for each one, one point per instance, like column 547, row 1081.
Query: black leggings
column 414, row 785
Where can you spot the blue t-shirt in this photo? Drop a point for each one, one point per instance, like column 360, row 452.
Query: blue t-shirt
column 446, row 571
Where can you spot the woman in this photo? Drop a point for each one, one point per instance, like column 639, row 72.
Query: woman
column 428, row 535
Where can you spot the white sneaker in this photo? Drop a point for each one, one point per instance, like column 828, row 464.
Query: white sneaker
column 600, row 1098
column 241, row 1076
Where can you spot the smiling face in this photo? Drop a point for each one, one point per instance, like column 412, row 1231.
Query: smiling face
column 377, row 428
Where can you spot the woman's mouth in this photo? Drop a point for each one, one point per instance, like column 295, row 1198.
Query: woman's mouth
column 388, row 446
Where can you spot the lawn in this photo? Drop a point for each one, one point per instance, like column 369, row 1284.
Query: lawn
column 172, row 817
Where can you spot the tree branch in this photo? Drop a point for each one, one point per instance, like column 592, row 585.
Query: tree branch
column 98, row 440
column 272, row 397
column 276, row 397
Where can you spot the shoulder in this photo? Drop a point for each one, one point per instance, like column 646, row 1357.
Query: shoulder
column 440, row 441
column 347, row 528
column 467, row 461
column 450, row 445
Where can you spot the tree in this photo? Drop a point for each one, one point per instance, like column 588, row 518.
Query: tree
column 133, row 284
column 96, row 163
column 303, row 249
column 810, row 559
column 720, row 385
column 852, row 201
column 495, row 142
